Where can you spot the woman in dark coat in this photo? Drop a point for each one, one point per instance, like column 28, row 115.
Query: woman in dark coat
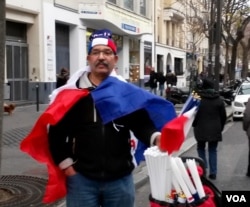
column 209, row 124
column 246, row 127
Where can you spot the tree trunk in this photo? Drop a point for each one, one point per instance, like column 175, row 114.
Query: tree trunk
column 2, row 68
column 244, row 60
column 233, row 60
column 226, row 70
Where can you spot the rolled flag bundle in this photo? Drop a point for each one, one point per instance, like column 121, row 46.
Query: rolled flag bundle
column 195, row 177
column 171, row 184
column 159, row 171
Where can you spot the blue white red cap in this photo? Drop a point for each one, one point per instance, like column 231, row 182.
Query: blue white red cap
column 101, row 37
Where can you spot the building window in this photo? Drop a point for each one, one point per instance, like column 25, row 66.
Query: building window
column 112, row 1
column 147, row 57
column 178, row 66
column 143, row 7
column 129, row 4
column 16, row 31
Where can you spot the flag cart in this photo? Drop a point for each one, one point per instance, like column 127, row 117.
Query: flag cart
column 179, row 181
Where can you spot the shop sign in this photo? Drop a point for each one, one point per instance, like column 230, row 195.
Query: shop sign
column 91, row 10
column 130, row 27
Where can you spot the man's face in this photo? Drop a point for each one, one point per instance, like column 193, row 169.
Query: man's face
column 102, row 60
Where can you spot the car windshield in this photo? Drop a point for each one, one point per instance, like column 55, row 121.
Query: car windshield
column 244, row 90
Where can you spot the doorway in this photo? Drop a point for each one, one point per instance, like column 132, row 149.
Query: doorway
column 17, row 70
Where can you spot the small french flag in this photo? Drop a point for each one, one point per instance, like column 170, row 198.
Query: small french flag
column 175, row 131
column 137, row 149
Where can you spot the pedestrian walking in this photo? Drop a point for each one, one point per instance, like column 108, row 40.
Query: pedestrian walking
column 171, row 78
column 246, row 127
column 89, row 121
column 161, row 80
column 62, row 77
column 153, row 81
column 209, row 124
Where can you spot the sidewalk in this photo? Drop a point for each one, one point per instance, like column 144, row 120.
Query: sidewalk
column 15, row 163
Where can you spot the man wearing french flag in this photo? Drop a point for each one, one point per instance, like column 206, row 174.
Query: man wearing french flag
column 84, row 134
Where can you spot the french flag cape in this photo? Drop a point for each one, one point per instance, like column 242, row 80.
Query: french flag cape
column 113, row 99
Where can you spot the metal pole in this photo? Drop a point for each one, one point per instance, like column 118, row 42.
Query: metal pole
column 154, row 35
column 217, row 65
column 37, row 96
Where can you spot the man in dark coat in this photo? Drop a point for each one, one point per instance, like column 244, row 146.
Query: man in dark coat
column 209, row 124
column 171, row 78
column 62, row 78
column 153, row 81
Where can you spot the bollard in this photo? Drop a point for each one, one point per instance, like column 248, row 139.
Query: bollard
column 37, row 97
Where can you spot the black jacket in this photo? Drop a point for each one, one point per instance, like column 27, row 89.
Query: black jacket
column 101, row 152
column 153, row 79
column 210, row 118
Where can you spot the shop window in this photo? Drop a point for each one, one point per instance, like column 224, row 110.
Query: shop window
column 147, row 57
column 134, row 60
column 134, row 73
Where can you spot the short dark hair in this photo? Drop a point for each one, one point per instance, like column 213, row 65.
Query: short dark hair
column 207, row 83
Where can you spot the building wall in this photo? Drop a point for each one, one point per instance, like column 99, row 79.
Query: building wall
column 161, row 30
column 41, row 17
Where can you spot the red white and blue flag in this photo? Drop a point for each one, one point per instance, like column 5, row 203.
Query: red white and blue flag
column 175, row 131
column 113, row 98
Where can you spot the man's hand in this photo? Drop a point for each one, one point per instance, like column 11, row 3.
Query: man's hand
column 70, row 171
column 157, row 141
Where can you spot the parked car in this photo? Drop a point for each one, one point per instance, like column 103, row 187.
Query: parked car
column 241, row 97
column 228, row 92
column 177, row 95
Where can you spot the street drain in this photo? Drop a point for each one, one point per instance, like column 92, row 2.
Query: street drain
column 22, row 191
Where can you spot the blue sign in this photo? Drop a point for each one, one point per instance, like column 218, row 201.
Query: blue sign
column 128, row 27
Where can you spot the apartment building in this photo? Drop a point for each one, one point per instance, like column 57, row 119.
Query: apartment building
column 181, row 45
